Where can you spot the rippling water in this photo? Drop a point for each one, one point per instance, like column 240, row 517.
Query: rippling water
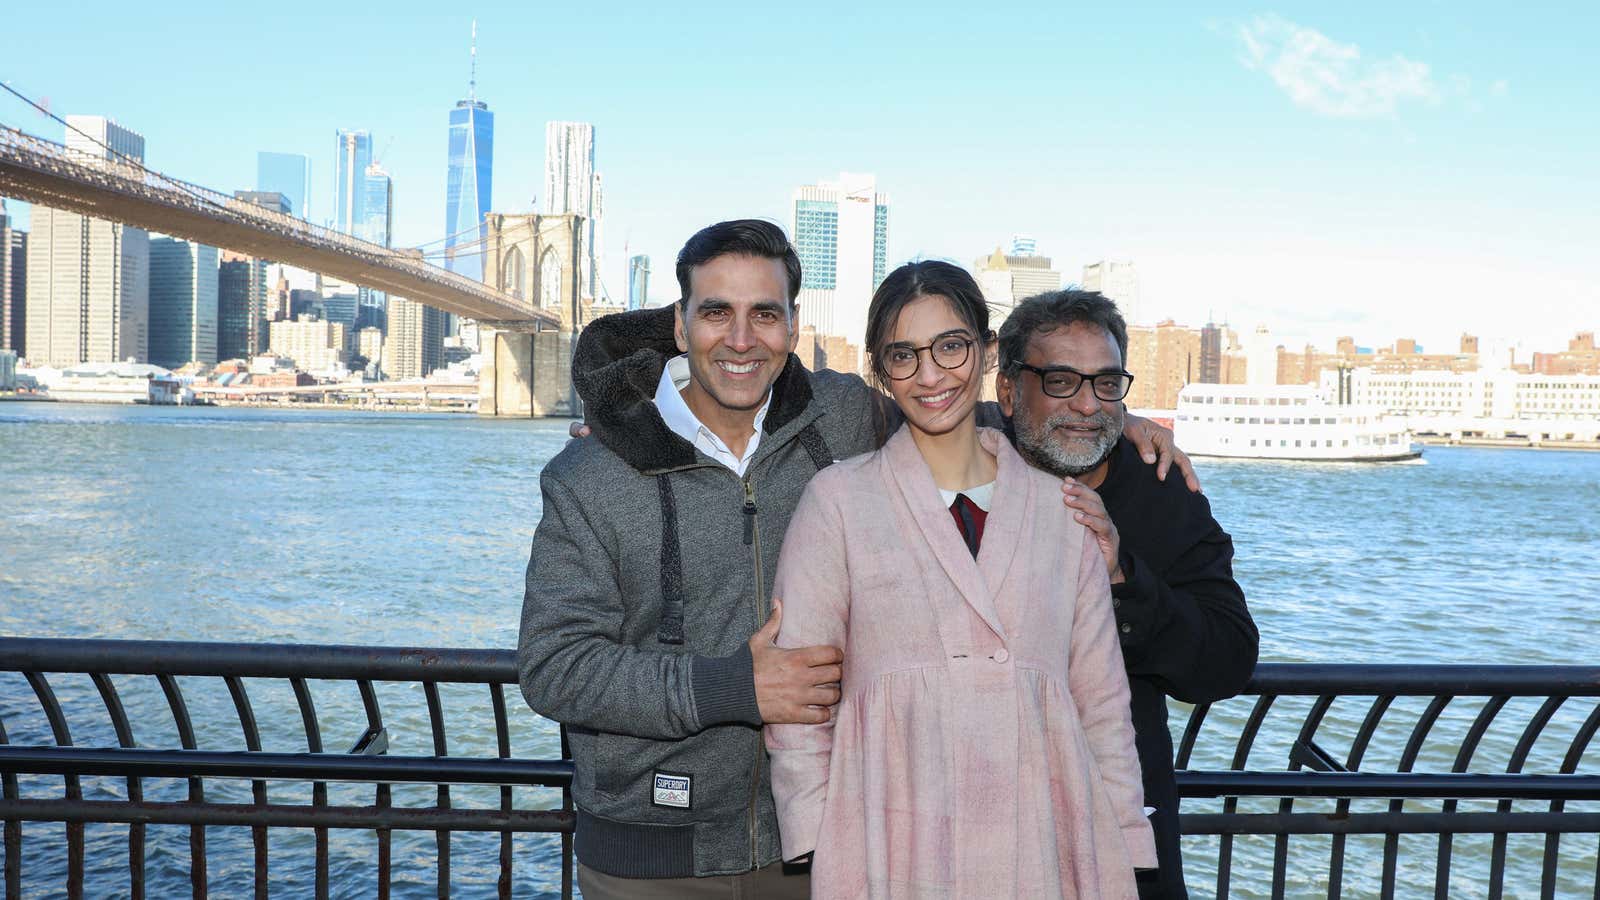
column 331, row 527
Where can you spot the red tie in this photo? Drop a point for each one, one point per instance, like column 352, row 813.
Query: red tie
column 969, row 518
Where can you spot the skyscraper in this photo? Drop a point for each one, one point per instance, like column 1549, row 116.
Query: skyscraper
column 88, row 279
column 470, row 179
column 1023, row 245
column 841, row 232
column 13, row 285
column 638, row 281
column 570, row 186
column 242, row 290
column 349, row 196
column 414, row 346
column 376, row 222
column 183, row 302
column 288, row 174
column 1118, row 280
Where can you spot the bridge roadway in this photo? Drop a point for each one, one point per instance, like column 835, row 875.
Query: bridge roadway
column 34, row 170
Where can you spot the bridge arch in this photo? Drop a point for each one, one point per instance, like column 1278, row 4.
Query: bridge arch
column 515, row 277
column 549, row 280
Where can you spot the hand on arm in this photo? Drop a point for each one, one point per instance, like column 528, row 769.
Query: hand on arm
column 1089, row 509
column 793, row 686
column 1156, row 446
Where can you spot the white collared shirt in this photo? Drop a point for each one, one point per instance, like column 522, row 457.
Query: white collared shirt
column 683, row 422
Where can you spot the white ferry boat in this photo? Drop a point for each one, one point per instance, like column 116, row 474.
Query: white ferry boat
column 1285, row 422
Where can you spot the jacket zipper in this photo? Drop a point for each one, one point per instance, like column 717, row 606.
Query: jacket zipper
column 752, row 538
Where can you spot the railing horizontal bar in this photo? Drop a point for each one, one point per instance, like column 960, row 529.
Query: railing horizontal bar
column 312, row 661
column 1388, row 823
column 279, row 815
column 499, row 666
column 1389, row 785
column 1315, row 679
column 244, row 764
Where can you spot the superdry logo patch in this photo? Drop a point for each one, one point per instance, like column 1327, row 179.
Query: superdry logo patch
column 672, row 789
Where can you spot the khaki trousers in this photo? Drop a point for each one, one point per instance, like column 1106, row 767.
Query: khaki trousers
column 769, row 883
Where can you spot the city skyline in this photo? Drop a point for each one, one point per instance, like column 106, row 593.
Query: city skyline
column 1322, row 174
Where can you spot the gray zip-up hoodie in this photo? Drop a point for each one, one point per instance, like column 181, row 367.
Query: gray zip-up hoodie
column 651, row 567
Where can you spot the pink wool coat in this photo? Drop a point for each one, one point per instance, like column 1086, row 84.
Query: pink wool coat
column 983, row 746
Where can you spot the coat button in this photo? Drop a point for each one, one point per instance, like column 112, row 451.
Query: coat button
column 1001, row 655
column 1126, row 628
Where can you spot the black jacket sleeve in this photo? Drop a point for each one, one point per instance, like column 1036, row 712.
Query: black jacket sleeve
column 1181, row 616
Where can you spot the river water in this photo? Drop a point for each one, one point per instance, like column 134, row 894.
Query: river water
column 331, row 527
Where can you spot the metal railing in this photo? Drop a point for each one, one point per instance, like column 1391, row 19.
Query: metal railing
column 1265, row 747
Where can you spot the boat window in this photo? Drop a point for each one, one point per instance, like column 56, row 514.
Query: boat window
column 1252, row 442
column 1255, row 420
column 1297, row 443
column 1299, row 421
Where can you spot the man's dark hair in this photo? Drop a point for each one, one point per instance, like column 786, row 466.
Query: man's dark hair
column 738, row 237
column 1044, row 313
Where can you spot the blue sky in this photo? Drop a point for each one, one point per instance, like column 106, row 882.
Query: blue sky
column 1365, row 170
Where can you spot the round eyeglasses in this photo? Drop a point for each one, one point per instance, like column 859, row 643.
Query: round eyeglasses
column 1063, row 382
column 949, row 351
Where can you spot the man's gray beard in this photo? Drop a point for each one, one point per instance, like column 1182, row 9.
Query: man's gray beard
column 1039, row 447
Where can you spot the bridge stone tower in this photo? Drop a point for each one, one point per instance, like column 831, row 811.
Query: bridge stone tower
column 528, row 371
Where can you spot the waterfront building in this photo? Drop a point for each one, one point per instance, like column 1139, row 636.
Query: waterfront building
column 315, row 345
column 469, row 179
column 571, row 186
column 183, row 302
column 8, row 370
column 13, row 285
column 88, row 279
column 350, row 193
column 289, row 176
column 1162, row 358
column 369, row 344
column 1009, row 279
column 103, row 138
column 638, row 281
column 841, row 233
column 993, row 275
column 239, row 289
column 1118, row 280
column 1580, row 358
column 1495, row 403
column 414, row 345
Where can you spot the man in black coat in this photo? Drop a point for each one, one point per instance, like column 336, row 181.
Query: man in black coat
column 1185, row 629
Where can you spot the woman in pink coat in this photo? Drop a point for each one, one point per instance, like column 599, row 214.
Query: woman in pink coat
column 982, row 746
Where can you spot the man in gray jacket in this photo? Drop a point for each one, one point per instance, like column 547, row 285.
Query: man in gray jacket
column 650, row 576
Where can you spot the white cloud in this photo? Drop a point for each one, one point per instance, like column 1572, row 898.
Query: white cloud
column 1329, row 77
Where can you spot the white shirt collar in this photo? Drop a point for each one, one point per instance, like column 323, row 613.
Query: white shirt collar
column 684, row 423
column 981, row 496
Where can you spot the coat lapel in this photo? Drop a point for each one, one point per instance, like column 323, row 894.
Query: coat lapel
column 1013, row 506
column 914, row 481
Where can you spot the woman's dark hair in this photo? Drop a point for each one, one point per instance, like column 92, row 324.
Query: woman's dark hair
column 738, row 237
column 924, row 278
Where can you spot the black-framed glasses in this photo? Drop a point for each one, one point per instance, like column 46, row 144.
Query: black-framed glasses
column 948, row 351
column 1063, row 382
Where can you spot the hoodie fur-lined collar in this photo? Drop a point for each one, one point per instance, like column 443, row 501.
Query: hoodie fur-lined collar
column 616, row 368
